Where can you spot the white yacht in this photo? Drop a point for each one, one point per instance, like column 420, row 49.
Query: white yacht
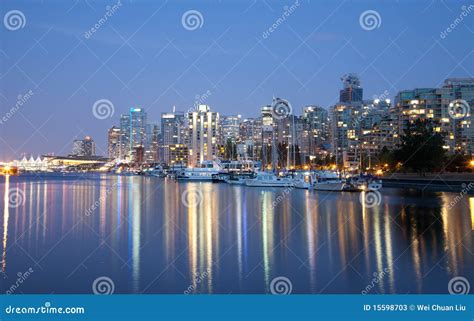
column 204, row 172
column 304, row 180
column 264, row 179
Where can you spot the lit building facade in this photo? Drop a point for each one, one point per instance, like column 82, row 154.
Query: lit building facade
column 203, row 135
column 172, row 134
column 230, row 126
column 315, row 137
column 250, row 146
column 352, row 90
column 83, row 147
column 438, row 105
column 113, row 143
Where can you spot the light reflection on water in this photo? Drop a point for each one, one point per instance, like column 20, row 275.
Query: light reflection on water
column 229, row 239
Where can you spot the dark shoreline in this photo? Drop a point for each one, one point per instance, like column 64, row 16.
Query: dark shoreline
column 433, row 183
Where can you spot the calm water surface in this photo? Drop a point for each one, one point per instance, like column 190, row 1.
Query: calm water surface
column 151, row 235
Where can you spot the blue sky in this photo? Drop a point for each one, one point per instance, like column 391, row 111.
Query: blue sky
column 144, row 56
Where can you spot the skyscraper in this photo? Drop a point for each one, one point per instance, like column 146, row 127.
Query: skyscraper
column 113, row 143
column 315, row 138
column 352, row 91
column 203, row 131
column 251, row 139
column 230, row 126
column 138, row 129
column 124, row 137
column 83, row 147
column 448, row 106
column 172, row 134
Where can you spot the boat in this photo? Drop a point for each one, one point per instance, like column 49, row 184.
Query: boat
column 204, row 172
column 304, row 180
column 220, row 177
column 363, row 183
column 265, row 179
column 239, row 179
column 332, row 185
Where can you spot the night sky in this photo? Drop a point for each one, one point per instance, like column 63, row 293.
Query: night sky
column 144, row 56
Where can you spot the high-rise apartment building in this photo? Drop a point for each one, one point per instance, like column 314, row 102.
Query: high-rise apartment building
column 448, row 107
column 113, row 143
column 83, row 147
column 352, row 90
column 172, row 134
column 315, row 138
column 203, row 135
column 250, row 147
column 230, row 126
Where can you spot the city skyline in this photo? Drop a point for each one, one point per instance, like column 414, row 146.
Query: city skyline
column 235, row 54
column 379, row 111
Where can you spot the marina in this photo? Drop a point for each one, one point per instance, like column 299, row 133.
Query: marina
column 155, row 235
